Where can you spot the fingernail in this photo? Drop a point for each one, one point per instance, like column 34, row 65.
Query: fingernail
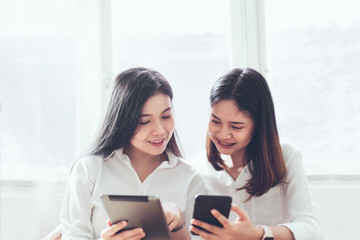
column 109, row 223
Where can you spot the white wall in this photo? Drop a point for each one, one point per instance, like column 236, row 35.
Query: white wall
column 338, row 202
column 29, row 212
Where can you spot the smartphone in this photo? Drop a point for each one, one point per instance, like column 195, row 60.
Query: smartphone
column 204, row 204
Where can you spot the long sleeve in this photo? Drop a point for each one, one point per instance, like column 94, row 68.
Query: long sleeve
column 304, row 223
column 77, row 207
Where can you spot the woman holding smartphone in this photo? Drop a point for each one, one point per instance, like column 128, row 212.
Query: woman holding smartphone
column 135, row 153
column 246, row 161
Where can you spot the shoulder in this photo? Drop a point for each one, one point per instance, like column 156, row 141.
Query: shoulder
column 197, row 161
column 202, row 165
column 180, row 164
column 187, row 166
column 291, row 154
column 87, row 167
column 294, row 162
column 88, row 162
column 190, row 176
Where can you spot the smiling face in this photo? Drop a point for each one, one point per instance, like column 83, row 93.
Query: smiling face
column 155, row 126
column 230, row 129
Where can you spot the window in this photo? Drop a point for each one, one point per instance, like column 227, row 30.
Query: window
column 190, row 49
column 38, row 85
column 313, row 56
column 58, row 60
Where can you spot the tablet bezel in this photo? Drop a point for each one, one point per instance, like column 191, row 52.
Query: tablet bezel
column 139, row 211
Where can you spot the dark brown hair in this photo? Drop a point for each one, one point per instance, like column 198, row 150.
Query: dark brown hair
column 132, row 89
column 263, row 155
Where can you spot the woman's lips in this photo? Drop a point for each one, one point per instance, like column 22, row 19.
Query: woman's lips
column 157, row 143
column 225, row 144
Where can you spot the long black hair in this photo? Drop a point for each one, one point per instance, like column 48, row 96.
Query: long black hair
column 132, row 89
column 249, row 90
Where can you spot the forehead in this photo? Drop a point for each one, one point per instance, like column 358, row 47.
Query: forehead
column 227, row 110
column 157, row 102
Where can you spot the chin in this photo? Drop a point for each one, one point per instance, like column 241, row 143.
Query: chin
column 224, row 151
column 157, row 152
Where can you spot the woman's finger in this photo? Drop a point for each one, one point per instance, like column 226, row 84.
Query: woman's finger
column 137, row 237
column 110, row 231
column 109, row 223
column 135, row 233
column 243, row 216
column 223, row 220
column 172, row 225
column 203, row 234
column 206, row 226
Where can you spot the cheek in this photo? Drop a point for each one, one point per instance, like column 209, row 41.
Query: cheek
column 244, row 137
column 170, row 125
column 211, row 128
column 212, row 132
column 250, row 133
column 139, row 134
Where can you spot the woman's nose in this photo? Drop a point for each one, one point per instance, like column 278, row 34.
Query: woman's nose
column 158, row 128
column 224, row 132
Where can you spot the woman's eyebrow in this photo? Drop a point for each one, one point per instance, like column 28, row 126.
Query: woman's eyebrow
column 237, row 122
column 214, row 116
column 148, row 115
column 168, row 109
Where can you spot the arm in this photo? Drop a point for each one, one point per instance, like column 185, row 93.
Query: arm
column 182, row 234
column 241, row 228
column 305, row 224
column 175, row 219
column 195, row 187
column 76, row 212
column 282, row 233
column 77, row 208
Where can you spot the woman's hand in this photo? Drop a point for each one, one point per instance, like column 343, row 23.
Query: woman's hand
column 109, row 233
column 241, row 228
column 173, row 214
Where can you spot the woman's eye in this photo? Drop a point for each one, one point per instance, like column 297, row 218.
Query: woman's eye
column 143, row 123
column 166, row 117
column 237, row 128
column 214, row 121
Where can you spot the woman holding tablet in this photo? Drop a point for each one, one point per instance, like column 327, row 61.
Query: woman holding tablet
column 245, row 160
column 135, row 153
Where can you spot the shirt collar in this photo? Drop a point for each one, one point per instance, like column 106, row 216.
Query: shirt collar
column 225, row 179
column 172, row 160
column 110, row 156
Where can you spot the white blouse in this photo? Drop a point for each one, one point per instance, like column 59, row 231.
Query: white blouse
column 82, row 214
column 289, row 204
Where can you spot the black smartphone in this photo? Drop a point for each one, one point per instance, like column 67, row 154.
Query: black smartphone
column 204, row 204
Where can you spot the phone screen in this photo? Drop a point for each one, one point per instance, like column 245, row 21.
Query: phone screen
column 204, row 204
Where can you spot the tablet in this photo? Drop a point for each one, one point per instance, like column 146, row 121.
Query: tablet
column 139, row 211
